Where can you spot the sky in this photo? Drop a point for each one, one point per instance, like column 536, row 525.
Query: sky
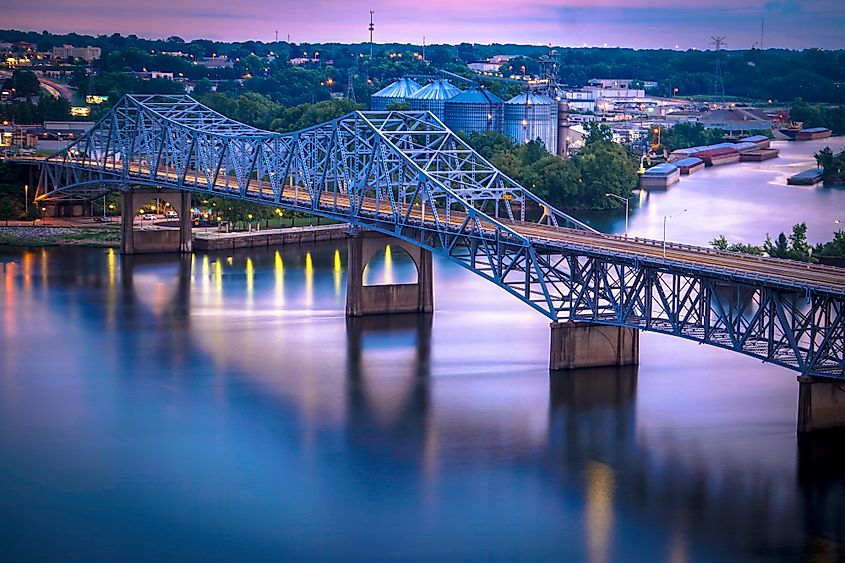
column 686, row 24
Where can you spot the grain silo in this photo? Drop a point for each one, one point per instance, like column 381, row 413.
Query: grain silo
column 399, row 92
column 531, row 116
column 476, row 109
column 432, row 97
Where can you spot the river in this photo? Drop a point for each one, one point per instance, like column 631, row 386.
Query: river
column 221, row 407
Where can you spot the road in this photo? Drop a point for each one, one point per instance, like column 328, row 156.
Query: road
column 704, row 260
column 55, row 88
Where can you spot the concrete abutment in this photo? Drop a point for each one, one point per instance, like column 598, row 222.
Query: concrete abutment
column 821, row 404
column 157, row 240
column 585, row 345
column 364, row 300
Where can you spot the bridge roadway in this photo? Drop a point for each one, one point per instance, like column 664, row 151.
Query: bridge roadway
column 743, row 267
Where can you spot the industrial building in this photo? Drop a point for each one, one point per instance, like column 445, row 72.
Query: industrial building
column 432, row 97
column 475, row 110
column 397, row 92
column 530, row 116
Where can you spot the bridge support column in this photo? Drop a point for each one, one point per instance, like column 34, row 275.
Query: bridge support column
column 386, row 299
column 160, row 239
column 585, row 345
column 821, row 404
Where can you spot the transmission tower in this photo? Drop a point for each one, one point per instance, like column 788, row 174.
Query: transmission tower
column 350, row 88
column 718, row 41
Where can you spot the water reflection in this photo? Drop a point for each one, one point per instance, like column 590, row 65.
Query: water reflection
column 297, row 435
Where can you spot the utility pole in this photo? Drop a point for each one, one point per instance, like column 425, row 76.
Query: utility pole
column 371, row 28
column 423, row 48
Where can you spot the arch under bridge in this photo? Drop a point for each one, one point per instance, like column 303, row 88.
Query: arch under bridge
column 406, row 175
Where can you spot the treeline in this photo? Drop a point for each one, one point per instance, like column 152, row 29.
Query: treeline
column 814, row 75
column 580, row 182
column 48, row 108
column 832, row 117
column 793, row 246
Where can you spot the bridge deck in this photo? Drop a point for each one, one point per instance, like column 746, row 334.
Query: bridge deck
column 745, row 267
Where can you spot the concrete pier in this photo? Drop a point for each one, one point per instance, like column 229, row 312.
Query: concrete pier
column 160, row 239
column 585, row 345
column 386, row 299
column 821, row 404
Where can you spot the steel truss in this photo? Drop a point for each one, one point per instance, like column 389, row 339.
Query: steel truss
column 405, row 174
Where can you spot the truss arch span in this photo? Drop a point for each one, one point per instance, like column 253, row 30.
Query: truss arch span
column 406, row 175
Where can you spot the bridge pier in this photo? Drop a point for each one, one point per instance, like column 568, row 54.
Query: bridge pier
column 585, row 345
column 386, row 299
column 155, row 240
column 821, row 404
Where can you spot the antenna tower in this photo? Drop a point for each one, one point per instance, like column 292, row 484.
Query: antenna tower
column 718, row 41
column 371, row 28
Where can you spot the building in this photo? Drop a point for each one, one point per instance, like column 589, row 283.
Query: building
column 397, row 92
column 493, row 64
column 581, row 100
column 215, row 62
column 88, row 54
column 736, row 119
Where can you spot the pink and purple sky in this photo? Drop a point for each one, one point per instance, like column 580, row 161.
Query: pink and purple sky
column 627, row 23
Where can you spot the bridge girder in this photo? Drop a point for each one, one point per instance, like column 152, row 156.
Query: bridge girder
column 407, row 175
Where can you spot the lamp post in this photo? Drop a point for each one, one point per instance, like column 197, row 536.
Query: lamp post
column 26, row 199
column 665, row 218
column 625, row 199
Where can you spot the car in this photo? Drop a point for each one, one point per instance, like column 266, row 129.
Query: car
column 149, row 217
column 171, row 215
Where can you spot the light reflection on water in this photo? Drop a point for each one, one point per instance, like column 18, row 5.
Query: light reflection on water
column 222, row 407
column 286, row 430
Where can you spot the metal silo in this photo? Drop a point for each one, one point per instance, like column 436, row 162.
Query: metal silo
column 531, row 116
column 432, row 97
column 476, row 109
column 399, row 91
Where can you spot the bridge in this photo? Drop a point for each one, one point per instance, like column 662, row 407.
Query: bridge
column 406, row 176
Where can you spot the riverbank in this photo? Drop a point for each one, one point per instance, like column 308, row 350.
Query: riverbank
column 108, row 235
column 47, row 235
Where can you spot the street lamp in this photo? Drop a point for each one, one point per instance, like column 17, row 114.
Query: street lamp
column 665, row 218
column 625, row 199
column 26, row 198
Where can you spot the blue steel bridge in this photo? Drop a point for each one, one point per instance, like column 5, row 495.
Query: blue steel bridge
column 406, row 175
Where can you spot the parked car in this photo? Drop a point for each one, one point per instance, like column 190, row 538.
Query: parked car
column 149, row 217
column 171, row 215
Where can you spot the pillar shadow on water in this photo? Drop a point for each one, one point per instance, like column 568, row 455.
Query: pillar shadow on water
column 388, row 382
column 592, row 411
column 821, row 480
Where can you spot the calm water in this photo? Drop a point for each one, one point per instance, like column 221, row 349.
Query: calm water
column 220, row 407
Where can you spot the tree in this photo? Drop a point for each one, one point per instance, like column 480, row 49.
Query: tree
column 598, row 133
column 792, row 247
column 399, row 106
column 24, row 82
column 306, row 115
column 202, row 87
column 606, row 167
